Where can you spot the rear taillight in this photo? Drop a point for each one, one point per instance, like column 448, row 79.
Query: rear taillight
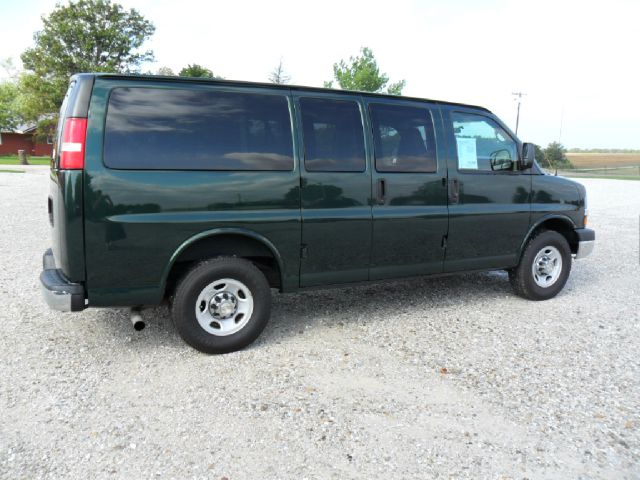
column 74, row 134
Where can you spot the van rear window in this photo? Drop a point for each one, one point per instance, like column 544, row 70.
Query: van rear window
column 173, row 129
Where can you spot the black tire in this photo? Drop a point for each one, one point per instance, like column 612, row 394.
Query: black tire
column 193, row 284
column 522, row 278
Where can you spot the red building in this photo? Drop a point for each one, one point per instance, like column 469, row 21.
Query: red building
column 24, row 139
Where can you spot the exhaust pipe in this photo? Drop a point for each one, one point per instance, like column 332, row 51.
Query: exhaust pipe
column 136, row 320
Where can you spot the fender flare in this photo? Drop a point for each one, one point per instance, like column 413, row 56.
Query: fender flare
column 540, row 221
column 217, row 232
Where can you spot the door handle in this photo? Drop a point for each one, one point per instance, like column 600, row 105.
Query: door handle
column 381, row 191
column 454, row 195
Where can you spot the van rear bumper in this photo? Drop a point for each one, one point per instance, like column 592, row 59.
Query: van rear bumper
column 586, row 242
column 59, row 293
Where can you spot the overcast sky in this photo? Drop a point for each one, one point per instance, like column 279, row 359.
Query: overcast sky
column 577, row 61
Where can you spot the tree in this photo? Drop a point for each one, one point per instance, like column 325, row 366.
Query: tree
column 554, row 156
column 278, row 75
column 362, row 73
column 9, row 106
column 83, row 36
column 197, row 71
column 9, row 68
column 166, row 71
column 539, row 154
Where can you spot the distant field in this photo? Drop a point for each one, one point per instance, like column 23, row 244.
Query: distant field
column 622, row 166
column 597, row 160
column 13, row 160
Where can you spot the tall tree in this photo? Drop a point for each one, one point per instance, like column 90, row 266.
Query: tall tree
column 83, row 36
column 198, row 71
column 278, row 74
column 362, row 73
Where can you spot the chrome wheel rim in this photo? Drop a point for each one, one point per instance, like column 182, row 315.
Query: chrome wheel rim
column 224, row 307
column 547, row 266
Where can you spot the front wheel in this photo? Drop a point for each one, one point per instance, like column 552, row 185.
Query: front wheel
column 544, row 267
column 222, row 305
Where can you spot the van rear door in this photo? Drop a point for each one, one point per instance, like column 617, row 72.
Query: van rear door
column 65, row 204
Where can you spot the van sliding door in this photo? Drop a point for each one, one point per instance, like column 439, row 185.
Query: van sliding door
column 410, row 205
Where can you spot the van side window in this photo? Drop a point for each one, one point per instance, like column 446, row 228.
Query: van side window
column 333, row 135
column 482, row 144
column 403, row 139
column 180, row 129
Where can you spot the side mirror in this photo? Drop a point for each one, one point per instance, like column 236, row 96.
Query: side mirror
column 501, row 160
column 528, row 155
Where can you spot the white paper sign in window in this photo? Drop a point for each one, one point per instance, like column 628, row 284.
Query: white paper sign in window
column 467, row 155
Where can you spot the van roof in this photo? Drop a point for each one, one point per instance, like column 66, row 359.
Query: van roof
column 161, row 78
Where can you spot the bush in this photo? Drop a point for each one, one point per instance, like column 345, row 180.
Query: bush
column 555, row 157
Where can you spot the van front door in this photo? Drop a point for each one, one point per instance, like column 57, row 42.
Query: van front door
column 410, row 204
column 335, row 191
column 489, row 198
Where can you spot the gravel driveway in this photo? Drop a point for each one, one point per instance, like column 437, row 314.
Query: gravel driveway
column 444, row 378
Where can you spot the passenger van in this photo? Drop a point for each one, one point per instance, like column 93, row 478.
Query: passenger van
column 209, row 193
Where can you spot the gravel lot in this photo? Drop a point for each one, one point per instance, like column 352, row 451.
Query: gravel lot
column 443, row 378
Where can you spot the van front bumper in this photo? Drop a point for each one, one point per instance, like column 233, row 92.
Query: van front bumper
column 586, row 242
column 59, row 293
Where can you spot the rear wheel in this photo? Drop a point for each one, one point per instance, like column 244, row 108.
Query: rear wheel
column 544, row 267
column 222, row 305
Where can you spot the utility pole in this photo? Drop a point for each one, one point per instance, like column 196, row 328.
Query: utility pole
column 518, row 96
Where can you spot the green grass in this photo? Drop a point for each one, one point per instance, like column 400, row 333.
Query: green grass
column 11, row 171
column 13, row 160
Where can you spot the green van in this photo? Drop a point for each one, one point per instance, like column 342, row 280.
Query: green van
column 209, row 193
